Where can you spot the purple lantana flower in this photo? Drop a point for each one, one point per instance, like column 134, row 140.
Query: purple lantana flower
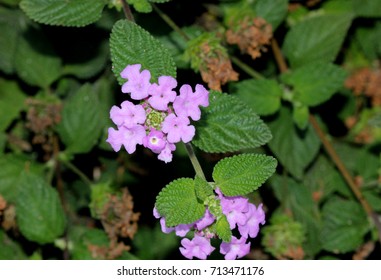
column 156, row 113
column 178, row 128
column 255, row 216
column 138, row 83
column 162, row 93
column 236, row 248
column 198, row 247
column 235, row 208
column 128, row 114
column 188, row 102
column 128, row 137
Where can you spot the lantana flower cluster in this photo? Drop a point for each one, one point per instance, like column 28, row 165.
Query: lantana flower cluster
column 161, row 119
column 240, row 214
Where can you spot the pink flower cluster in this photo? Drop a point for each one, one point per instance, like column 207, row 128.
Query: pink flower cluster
column 162, row 118
column 239, row 212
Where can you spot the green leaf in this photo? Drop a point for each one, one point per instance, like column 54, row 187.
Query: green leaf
column 178, row 203
column 203, row 189
column 298, row 199
column 242, row 174
column 11, row 102
column 229, row 125
column 344, row 225
column 316, row 38
column 367, row 8
column 316, row 82
column 142, row 6
column 64, row 12
column 295, row 149
column 35, row 60
column 10, row 250
column 12, row 167
column 82, row 238
column 100, row 195
column 263, row 95
column 159, row 1
column 300, row 115
column 39, row 212
column 152, row 244
column 273, row 11
column 131, row 44
column 223, row 229
column 81, row 123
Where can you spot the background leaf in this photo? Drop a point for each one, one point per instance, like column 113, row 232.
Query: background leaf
column 272, row 11
column 242, row 174
column 64, row 12
column 131, row 44
column 316, row 38
column 178, row 203
column 39, row 212
column 10, row 250
column 367, row 8
column 344, row 225
column 229, row 125
column 11, row 102
column 81, row 123
column 263, row 96
column 35, row 60
column 295, row 149
column 315, row 82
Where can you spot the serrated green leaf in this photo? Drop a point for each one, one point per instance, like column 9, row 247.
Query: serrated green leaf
column 178, row 203
column 242, row 174
column 81, row 124
column 202, row 188
column 367, row 8
column 263, row 95
column 295, row 149
column 35, row 60
column 344, row 225
column 273, row 11
column 316, row 82
column 64, row 12
column 39, row 212
column 229, row 125
column 300, row 115
column 131, row 44
column 11, row 102
column 223, row 229
column 316, row 38
column 10, row 250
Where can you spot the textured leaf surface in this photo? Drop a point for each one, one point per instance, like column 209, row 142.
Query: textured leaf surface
column 229, row 125
column 64, row 12
column 367, row 8
column 317, row 38
column 242, row 174
column 263, row 95
column 344, row 225
column 131, row 44
column 203, row 189
column 81, row 123
column 294, row 148
column 178, row 203
column 35, row 60
column 11, row 102
column 39, row 213
column 316, row 82
column 223, row 229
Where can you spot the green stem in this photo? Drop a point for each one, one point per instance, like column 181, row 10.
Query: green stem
column 194, row 160
column 80, row 174
column 246, row 68
column 127, row 11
